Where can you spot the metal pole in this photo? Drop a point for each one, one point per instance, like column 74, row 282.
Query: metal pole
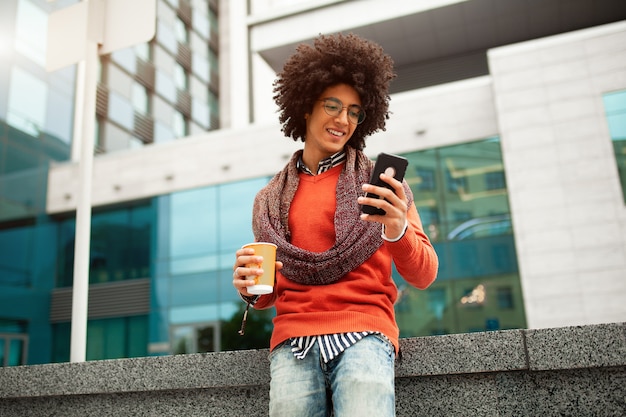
column 87, row 84
column 79, row 102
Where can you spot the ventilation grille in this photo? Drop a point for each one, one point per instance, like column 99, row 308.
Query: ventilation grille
column 213, row 4
column 144, row 127
column 214, row 84
column 183, row 102
column 183, row 57
column 102, row 101
column 214, row 41
column 145, row 73
column 119, row 299
column 184, row 12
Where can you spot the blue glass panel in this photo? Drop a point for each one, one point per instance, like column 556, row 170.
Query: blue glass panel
column 30, row 31
column 12, row 326
column 14, row 256
column 193, row 224
column 61, row 334
column 120, row 246
column 121, row 110
column 65, row 260
column 60, row 115
column 615, row 102
column 27, row 102
column 617, row 125
column 194, row 314
column 235, row 208
column 195, row 289
column 615, row 107
column 137, row 336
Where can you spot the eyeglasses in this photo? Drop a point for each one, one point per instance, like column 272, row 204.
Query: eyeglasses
column 334, row 107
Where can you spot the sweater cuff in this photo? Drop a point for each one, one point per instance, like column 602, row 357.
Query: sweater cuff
column 406, row 226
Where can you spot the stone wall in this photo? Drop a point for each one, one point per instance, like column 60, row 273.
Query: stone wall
column 572, row 371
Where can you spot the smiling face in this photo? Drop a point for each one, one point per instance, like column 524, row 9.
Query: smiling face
column 327, row 135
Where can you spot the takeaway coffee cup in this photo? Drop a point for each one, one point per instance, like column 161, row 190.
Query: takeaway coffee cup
column 263, row 284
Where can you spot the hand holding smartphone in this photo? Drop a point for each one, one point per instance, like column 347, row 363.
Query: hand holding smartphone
column 392, row 165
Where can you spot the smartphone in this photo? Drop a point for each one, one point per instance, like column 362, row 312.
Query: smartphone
column 392, row 165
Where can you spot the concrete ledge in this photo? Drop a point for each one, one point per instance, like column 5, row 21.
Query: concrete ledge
column 571, row 371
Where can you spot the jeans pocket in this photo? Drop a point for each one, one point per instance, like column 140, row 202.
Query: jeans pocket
column 388, row 346
column 278, row 348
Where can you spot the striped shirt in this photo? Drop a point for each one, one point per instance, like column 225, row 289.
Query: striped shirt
column 331, row 345
column 325, row 164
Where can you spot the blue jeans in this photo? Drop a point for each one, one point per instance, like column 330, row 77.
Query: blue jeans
column 358, row 382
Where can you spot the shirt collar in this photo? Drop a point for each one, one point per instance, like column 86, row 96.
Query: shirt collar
column 325, row 164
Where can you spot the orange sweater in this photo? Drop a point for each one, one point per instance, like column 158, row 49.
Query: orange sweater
column 361, row 300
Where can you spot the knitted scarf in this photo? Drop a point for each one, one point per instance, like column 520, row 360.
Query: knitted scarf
column 355, row 240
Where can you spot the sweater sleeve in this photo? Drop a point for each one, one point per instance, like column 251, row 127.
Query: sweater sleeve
column 414, row 255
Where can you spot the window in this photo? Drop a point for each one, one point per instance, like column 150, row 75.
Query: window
column 119, row 250
column 615, row 108
column 142, row 51
column 201, row 23
column 461, row 196
column 200, row 67
column 181, row 30
column 494, row 180
column 504, row 295
column 179, row 124
column 426, row 179
column 140, row 98
column 112, row 338
column 31, row 31
column 195, row 338
column 13, row 343
column 165, row 86
column 456, row 184
column 166, row 37
column 121, row 111
column 27, row 112
column 181, row 78
column 200, row 113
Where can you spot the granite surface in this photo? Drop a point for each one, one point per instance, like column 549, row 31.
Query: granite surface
column 462, row 353
column 573, row 371
column 577, row 347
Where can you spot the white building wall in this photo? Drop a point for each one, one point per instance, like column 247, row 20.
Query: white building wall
column 567, row 208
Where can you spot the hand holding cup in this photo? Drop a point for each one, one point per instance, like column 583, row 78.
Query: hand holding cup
column 264, row 283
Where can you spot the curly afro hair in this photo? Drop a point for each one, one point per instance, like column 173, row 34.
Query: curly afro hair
column 335, row 59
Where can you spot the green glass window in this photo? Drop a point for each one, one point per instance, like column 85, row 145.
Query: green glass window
column 615, row 107
column 460, row 193
column 111, row 338
column 120, row 246
column 15, row 259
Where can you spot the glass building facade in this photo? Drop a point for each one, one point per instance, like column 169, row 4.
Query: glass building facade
column 151, row 93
